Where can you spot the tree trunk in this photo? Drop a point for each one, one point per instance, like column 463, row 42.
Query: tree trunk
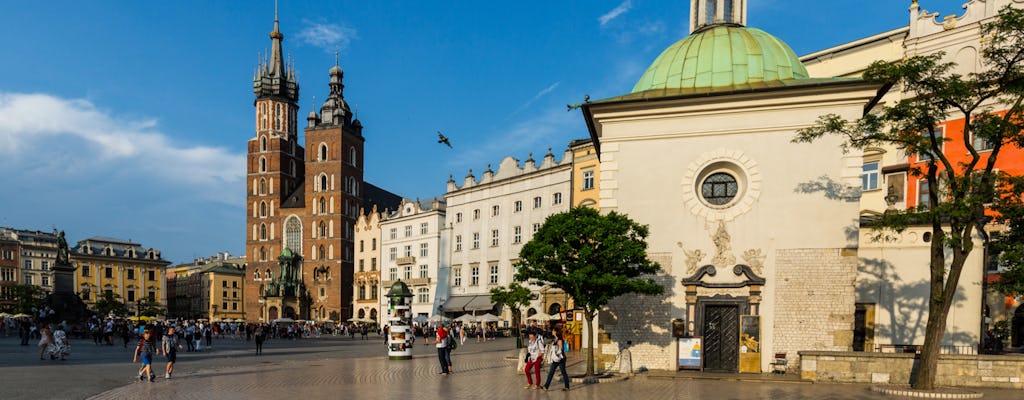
column 939, row 301
column 590, row 342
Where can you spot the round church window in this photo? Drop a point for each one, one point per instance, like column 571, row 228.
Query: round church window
column 719, row 188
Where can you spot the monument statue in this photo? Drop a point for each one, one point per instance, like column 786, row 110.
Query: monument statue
column 62, row 250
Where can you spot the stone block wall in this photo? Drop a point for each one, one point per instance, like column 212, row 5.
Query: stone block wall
column 814, row 300
column 646, row 321
column 1001, row 371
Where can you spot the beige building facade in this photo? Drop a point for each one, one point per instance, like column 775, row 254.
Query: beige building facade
column 366, row 277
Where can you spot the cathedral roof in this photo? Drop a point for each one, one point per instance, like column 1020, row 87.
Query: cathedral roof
column 723, row 57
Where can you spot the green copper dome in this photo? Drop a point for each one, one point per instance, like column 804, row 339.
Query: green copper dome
column 723, row 56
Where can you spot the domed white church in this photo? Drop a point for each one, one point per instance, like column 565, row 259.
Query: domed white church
column 756, row 235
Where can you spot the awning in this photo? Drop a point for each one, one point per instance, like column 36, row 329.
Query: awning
column 479, row 303
column 456, row 303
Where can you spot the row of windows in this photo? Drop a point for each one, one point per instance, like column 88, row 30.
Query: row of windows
column 44, row 264
column 373, row 264
column 517, row 237
column 362, row 292
column 108, row 272
column 517, row 206
column 474, row 275
column 8, row 255
column 407, row 230
column 263, row 167
column 407, row 251
column 407, row 272
column 373, row 245
column 322, row 155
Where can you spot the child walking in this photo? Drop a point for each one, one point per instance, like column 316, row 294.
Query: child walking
column 146, row 348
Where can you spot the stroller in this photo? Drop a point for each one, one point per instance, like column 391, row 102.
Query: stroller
column 60, row 347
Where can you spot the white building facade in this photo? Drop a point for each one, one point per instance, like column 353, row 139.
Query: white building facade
column 491, row 218
column 411, row 249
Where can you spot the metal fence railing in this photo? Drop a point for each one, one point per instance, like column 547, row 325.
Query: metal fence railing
column 916, row 349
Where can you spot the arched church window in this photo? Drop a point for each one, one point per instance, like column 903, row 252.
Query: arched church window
column 263, row 164
column 263, row 143
column 263, row 186
column 323, row 182
column 263, row 231
column 352, row 155
column 323, row 232
column 323, row 152
column 293, row 233
column 323, row 206
column 263, row 209
column 321, row 253
column 263, row 254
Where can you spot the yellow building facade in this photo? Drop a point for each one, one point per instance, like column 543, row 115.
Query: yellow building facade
column 366, row 278
column 223, row 290
column 586, row 174
column 120, row 267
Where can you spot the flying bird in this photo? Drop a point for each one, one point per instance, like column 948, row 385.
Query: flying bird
column 441, row 138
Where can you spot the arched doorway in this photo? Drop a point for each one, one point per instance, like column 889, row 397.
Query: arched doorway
column 289, row 312
column 554, row 309
column 530, row 312
column 272, row 313
column 1017, row 327
column 373, row 314
column 362, row 314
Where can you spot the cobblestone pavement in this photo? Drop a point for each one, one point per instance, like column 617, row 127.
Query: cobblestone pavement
column 332, row 368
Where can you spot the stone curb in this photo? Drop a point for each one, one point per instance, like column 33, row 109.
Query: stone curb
column 908, row 392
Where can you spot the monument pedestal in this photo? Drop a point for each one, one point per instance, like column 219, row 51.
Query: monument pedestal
column 65, row 303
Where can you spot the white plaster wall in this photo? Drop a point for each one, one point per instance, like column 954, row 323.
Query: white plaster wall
column 894, row 275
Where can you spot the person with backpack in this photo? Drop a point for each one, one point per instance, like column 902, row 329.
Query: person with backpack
column 557, row 355
column 441, row 343
column 453, row 343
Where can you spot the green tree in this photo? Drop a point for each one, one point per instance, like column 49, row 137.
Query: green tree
column 1010, row 246
column 515, row 296
column 935, row 93
column 150, row 308
column 107, row 303
column 592, row 257
column 25, row 297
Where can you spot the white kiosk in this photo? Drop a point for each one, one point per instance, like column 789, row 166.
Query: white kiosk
column 400, row 332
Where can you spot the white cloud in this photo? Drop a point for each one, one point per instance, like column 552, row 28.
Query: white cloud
column 615, row 12
column 329, row 37
column 57, row 138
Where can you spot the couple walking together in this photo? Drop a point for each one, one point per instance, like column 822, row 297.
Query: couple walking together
column 535, row 357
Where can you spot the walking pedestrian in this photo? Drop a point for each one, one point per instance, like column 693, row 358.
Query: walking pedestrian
column 145, row 349
column 534, row 359
column 260, row 337
column 441, row 342
column 557, row 360
column 170, row 346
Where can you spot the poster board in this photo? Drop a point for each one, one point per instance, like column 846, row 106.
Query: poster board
column 690, row 353
column 750, row 344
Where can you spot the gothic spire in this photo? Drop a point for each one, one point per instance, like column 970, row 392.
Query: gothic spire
column 275, row 78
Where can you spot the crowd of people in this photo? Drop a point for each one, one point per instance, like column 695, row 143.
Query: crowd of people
column 164, row 339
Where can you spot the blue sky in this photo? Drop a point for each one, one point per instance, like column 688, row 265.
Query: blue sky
column 130, row 118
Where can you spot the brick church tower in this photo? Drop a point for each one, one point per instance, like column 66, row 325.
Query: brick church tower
column 300, row 210
column 334, row 183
